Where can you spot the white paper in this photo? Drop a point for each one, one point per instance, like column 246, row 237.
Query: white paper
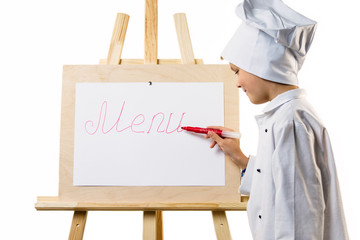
column 123, row 136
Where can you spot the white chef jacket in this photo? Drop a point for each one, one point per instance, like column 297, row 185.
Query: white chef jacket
column 292, row 182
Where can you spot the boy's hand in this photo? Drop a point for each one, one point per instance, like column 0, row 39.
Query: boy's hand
column 230, row 146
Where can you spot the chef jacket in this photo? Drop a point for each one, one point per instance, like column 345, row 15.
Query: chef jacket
column 292, row 182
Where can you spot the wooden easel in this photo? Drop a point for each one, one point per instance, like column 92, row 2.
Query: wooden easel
column 152, row 221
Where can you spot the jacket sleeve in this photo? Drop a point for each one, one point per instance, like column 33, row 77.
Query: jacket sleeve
column 299, row 198
column 246, row 180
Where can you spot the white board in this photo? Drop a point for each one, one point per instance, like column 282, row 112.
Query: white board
column 129, row 134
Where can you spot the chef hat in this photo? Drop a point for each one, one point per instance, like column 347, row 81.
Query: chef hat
column 271, row 42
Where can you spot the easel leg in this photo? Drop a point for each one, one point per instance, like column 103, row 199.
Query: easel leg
column 221, row 225
column 78, row 225
column 153, row 227
column 159, row 223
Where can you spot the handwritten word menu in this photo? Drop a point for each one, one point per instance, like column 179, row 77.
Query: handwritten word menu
column 129, row 134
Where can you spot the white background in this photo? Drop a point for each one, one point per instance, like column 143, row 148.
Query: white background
column 38, row 37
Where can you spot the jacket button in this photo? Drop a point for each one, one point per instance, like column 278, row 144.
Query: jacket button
column 266, row 130
column 259, row 171
column 260, row 216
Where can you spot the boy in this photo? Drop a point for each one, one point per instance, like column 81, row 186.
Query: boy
column 292, row 182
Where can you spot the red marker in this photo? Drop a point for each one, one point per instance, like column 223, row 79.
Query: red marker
column 221, row 133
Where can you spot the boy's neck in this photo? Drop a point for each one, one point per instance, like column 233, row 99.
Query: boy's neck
column 278, row 89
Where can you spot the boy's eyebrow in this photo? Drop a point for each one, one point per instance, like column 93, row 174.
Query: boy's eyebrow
column 234, row 70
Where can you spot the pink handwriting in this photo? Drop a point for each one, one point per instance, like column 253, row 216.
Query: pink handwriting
column 138, row 124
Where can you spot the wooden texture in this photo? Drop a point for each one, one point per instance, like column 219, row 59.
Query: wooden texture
column 118, row 38
column 183, row 35
column 221, row 225
column 244, row 198
column 159, row 61
column 152, row 225
column 140, row 73
column 78, row 225
column 53, row 204
column 159, row 225
column 151, row 31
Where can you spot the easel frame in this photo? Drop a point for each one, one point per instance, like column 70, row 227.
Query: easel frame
column 152, row 221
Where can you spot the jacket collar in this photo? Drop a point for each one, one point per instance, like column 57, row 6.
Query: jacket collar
column 283, row 98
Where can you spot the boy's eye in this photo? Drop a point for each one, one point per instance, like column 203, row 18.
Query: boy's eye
column 236, row 72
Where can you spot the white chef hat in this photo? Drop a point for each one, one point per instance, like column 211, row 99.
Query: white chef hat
column 271, row 42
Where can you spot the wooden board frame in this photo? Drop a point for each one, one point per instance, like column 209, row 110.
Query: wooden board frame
column 73, row 74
